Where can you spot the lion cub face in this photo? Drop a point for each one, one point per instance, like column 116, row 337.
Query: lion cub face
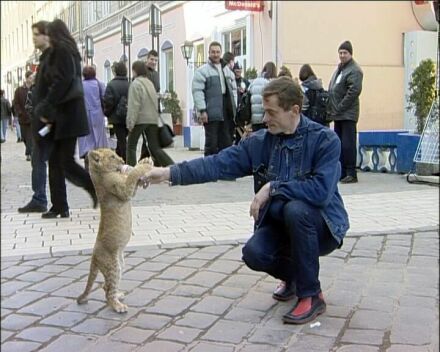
column 104, row 160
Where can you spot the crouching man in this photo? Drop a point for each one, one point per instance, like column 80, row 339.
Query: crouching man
column 299, row 214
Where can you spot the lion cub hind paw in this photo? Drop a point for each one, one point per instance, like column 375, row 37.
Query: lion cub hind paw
column 82, row 299
column 119, row 307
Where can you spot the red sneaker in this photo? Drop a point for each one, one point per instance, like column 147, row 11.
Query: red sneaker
column 307, row 309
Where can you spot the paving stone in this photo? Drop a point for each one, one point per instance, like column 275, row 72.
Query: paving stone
column 146, row 253
column 139, row 275
column 257, row 301
column 241, row 281
column 311, row 343
column 365, row 319
column 170, row 259
column 189, row 291
column 73, row 290
column 6, row 334
column 330, row 327
column 206, row 279
column 270, row 336
column 135, row 262
column 228, row 292
column 12, row 287
column 337, row 311
column 171, row 305
column 51, row 284
column 46, row 306
column 53, row 268
column 149, row 321
column 91, row 307
column 39, row 334
column 141, row 297
column 38, row 262
column 74, row 273
column 13, row 271
column 366, row 337
column 104, row 345
column 233, row 254
column 162, row 346
column 342, row 298
column 96, row 326
column 260, row 348
column 211, row 347
column 416, row 301
column 20, row 346
column 224, row 266
column 382, row 304
column 245, row 315
column 34, row 276
column 109, row 313
column 176, row 273
column 132, row 335
column 213, row 305
column 21, row 299
column 357, row 348
column 228, row 331
column 179, row 333
column 416, row 316
column 64, row 319
column 152, row 266
column 409, row 348
column 161, row 285
column 72, row 260
column 204, row 255
column 193, row 263
column 197, row 320
column 70, row 343
column 182, row 252
column 18, row 321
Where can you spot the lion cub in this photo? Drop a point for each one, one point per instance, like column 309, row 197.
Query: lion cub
column 114, row 190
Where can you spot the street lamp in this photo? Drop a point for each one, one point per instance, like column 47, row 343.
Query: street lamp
column 126, row 39
column 155, row 27
column 187, row 50
column 90, row 48
column 19, row 74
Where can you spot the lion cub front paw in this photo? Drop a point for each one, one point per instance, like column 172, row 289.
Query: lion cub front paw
column 148, row 161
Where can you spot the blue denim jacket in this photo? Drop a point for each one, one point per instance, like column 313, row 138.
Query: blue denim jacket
column 302, row 166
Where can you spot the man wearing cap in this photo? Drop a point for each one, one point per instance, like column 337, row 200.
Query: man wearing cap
column 344, row 90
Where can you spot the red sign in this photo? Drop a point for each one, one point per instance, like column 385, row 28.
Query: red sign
column 420, row 2
column 250, row 5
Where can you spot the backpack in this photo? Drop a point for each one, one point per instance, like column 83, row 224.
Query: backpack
column 318, row 100
column 244, row 113
column 121, row 108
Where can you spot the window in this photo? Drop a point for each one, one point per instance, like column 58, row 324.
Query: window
column 27, row 33
column 107, row 71
column 142, row 54
column 235, row 42
column 22, row 38
column 199, row 54
column 167, row 50
column 91, row 14
column 123, row 3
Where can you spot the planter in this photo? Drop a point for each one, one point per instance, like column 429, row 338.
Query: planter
column 406, row 148
column 177, row 128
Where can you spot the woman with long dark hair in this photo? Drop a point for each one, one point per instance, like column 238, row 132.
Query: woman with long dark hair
column 64, row 112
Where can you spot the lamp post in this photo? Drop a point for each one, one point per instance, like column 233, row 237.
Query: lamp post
column 90, row 48
column 126, row 39
column 187, row 50
column 155, row 27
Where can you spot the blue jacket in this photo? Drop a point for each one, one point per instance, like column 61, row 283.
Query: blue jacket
column 302, row 166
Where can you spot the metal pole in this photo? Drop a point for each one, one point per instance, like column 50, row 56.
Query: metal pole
column 158, row 56
column 129, row 62
column 152, row 42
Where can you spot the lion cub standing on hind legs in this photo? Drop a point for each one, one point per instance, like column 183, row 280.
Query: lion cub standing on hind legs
column 114, row 189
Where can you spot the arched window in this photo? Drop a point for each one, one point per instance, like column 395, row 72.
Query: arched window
column 142, row 54
column 168, row 62
column 107, row 71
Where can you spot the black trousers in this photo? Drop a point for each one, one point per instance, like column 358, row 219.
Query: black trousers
column 26, row 135
column 217, row 136
column 62, row 165
column 346, row 131
column 121, row 140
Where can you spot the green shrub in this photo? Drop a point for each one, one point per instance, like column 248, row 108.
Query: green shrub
column 251, row 73
column 171, row 105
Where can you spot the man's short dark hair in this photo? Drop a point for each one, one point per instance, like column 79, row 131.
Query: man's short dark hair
column 120, row 69
column 152, row 53
column 228, row 56
column 287, row 90
column 140, row 68
column 89, row 72
column 41, row 26
column 214, row 44
column 28, row 73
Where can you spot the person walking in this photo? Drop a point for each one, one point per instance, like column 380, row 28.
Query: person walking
column 143, row 115
column 344, row 90
column 41, row 147
column 242, row 88
column 256, row 88
column 93, row 96
column 115, row 106
column 24, row 120
column 298, row 212
column 6, row 116
column 213, row 100
column 62, row 109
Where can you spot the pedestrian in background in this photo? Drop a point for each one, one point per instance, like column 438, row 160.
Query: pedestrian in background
column 115, row 106
column 228, row 65
column 344, row 90
column 6, row 116
column 143, row 115
column 242, row 88
column 298, row 212
column 93, row 98
column 41, row 147
column 284, row 71
column 15, row 123
column 67, row 119
column 256, row 88
column 24, row 120
column 213, row 100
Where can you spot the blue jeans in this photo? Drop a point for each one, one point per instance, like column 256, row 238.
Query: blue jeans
column 4, row 123
column 288, row 245
column 40, row 155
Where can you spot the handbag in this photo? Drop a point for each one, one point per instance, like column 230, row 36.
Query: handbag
column 166, row 134
column 76, row 89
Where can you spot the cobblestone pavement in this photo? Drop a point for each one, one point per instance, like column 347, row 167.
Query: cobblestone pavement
column 187, row 288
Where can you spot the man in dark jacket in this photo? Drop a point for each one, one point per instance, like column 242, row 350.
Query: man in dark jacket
column 115, row 106
column 6, row 116
column 41, row 148
column 298, row 211
column 344, row 90
column 23, row 117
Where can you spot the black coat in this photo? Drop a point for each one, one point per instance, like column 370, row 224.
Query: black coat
column 69, row 118
column 116, row 88
column 344, row 92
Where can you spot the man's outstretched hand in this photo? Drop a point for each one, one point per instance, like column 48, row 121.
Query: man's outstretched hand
column 157, row 175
